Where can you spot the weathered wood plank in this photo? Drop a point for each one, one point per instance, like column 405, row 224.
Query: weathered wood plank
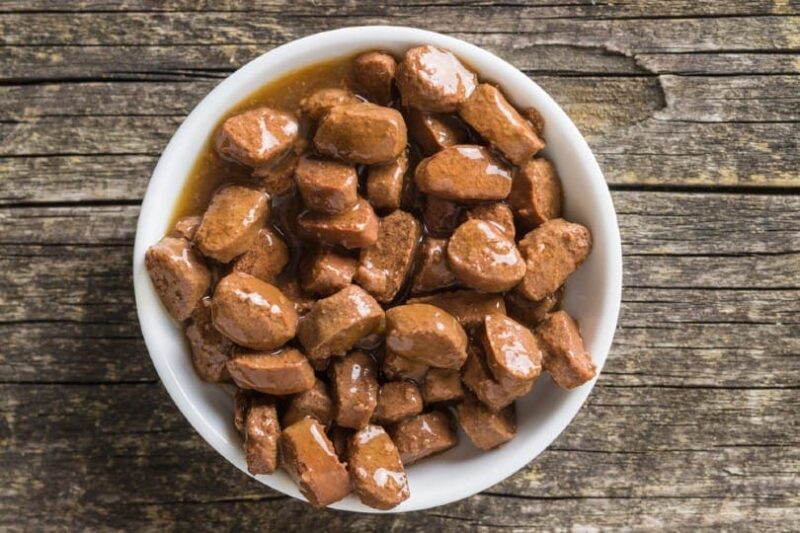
column 142, row 434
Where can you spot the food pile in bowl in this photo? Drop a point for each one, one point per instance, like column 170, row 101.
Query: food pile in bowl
column 372, row 267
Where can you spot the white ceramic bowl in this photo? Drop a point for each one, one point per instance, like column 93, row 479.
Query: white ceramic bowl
column 593, row 295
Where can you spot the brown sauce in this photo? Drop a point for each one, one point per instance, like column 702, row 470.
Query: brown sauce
column 210, row 171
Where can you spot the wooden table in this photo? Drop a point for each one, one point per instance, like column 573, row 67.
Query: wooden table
column 693, row 111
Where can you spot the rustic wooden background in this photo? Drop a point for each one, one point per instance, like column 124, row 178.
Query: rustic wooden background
column 693, row 110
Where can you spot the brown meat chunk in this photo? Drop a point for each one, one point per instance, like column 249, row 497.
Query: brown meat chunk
column 498, row 213
column 397, row 400
column 536, row 192
column 386, row 183
column 434, row 80
column 552, row 252
column 179, row 275
column 241, row 403
column 337, row 322
column 186, row 227
column 325, row 272
column 290, row 288
column 315, row 402
column 442, row 386
column 482, row 257
column 423, row 435
column 434, row 132
column 530, row 313
column 277, row 179
column 469, row 307
column 425, row 333
column 384, row 266
column 355, row 228
column 512, row 352
column 266, row 257
column 261, row 432
column 210, row 349
column 535, row 118
column 257, row 137
column 486, row 429
column 354, row 388
column 252, row 312
column 495, row 394
column 326, row 186
column 361, row 133
column 323, row 100
column 374, row 463
column 398, row 367
column 374, row 73
column 440, row 216
column 490, row 114
column 432, row 270
column 231, row 222
column 279, row 373
column 309, row 458
column 464, row 173
column 568, row 362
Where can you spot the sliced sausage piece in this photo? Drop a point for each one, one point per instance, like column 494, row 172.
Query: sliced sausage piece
column 337, row 322
column 398, row 367
column 323, row 100
column 432, row 271
column 552, row 252
column 277, row 179
column 440, row 216
column 210, row 349
column 374, row 73
column 354, row 388
column 384, row 266
column 423, row 435
column 309, row 458
column 568, row 362
column 498, row 213
column 315, row 402
column 231, row 222
column 257, row 137
column 325, row 272
column 486, row 429
column 261, row 432
column 361, row 133
column 386, row 183
column 266, row 257
column 283, row 372
column 512, row 352
column 536, row 192
column 530, row 313
column 464, row 173
column 252, row 312
column 326, row 186
column 425, row 333
column 435, row 132
column 495, row 394
column 378, row 475
column 482, row 257
column 434, row 80
column 490, row 114
column 397, row 400
column 469, row 307
column 301, row 301
column 442, row 386
column 186, row 227
column 355, row 228
column 179, row 275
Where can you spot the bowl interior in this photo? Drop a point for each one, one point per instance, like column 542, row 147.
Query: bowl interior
column 593, row 293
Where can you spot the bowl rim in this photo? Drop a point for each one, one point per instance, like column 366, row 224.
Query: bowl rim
column 298, row 51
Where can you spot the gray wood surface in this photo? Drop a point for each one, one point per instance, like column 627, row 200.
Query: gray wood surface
column 693, row 110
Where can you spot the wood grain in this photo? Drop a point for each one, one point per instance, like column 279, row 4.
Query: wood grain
column 692, row 110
